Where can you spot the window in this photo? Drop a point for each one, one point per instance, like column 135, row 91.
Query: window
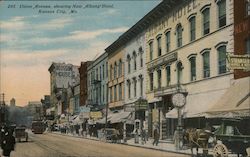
column 103, row 93
column 206, row 64
column 151, row 78
column 129, row 66
column 192, row 28
column 206, row 23
column 103, row 75
column 106, row 69
column 120, row 68
column 141, row 55
column 111, row 94
column 100, row 73
column 168, row 72
column 222, row 13
column 248, row 46
column 247, row 7
column 115, row 93
column 141, row 85
column 179, row 35
column 168, row 41
column 192, row 61
column 159, row 46
column 110, row 71
column 134, row 56
column 222, row 59
column 151, row 50
column 135, row 82
column 129, row 88
column 159, row 78
column 115, row 70
column 120, row 91
column 96, row 74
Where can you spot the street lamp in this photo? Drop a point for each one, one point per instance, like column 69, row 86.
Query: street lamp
column 179, row 100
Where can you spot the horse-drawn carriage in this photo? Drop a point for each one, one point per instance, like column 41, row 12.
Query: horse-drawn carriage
column 229, row 139
column 20, row 133
column 226, row 139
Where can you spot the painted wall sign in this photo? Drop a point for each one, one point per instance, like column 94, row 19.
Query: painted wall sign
column 239, row 62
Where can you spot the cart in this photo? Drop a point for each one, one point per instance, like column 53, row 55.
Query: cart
column 229, row 139
column 20, row 134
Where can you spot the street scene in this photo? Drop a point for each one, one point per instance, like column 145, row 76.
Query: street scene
column 120, row 78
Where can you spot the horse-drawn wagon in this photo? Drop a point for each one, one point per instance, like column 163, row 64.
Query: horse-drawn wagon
column 229, row 139
column 20, row 133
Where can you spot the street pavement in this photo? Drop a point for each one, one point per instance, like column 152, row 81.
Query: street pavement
column 57, row 145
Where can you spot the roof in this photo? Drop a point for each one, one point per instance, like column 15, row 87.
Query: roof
column 155, row 14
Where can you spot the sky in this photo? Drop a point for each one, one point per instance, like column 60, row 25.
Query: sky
column 33, row 34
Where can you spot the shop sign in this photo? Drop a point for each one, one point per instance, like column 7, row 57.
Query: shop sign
column 129, row 108
column 239, row 62
column 141, row 104
column 96, row 115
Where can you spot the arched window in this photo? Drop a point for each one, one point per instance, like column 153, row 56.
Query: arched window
column 151, row 50
column 129, row 88
column 192, row 28
column 167, row 41
column 110, row 72
column 141, row 56
column 135, row 85
column 151, row 81
column 206, row 64
column 120, row 68
column 222, row 59
column 222, row 13
column 179, row 35
column 129, row 64
column 115, row 70
column 134, row 56
column 192, row 62
column 159, row 45
column 206, row 21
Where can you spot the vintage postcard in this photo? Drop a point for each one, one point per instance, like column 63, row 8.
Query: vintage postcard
column 124, row 78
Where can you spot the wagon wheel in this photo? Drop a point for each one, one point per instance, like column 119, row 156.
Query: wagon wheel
column 220, row 150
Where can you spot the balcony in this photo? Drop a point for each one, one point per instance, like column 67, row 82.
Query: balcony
column 165, row 59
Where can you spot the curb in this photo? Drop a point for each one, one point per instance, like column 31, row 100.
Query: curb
column 139, row 146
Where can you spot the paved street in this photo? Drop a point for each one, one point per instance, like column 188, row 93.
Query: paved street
column 53, row 145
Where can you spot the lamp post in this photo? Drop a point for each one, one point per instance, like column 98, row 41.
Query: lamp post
column 179, row 100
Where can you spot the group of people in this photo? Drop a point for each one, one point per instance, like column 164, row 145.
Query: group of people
column 7, row 141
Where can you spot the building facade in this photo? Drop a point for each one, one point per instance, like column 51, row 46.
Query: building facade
column 97, row 82
column 61, row 77
column 186, row 51
column 241, row 33
column 13, row 102
column 83, row 83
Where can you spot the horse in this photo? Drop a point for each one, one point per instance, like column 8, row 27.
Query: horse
column 197, row 138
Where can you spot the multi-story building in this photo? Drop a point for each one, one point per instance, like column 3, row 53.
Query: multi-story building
column 83, row 83
column 242, row 33
column 35, row 108
column 186, row 48
column 97, row 82
column 61, row 77
column 13, row 102
column 116, row 76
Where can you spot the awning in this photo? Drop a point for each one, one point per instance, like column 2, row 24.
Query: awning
column 121, row 116
column 234, row 103
column 197, row 103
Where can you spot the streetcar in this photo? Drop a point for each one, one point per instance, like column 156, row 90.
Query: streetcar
column 37, row 127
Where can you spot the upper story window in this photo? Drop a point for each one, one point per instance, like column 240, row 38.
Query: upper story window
column 134, row 56
column 103, row 73
column 115, row 93
column 206, row 21
column 151, row 81
column 167, row 41
column 247, row 7
column 222, row 13
column 120, row 91
column 111, row 94
column 206, row 64
column 120, row 68
column 222, row 59
column 159, row 78
column 151, row 50
column 129, row 64
column 96, row 74
column 192, row 61
column 135, row 84
column 192, row 28
column 110, row 72
column 115, row 70
column 141, row 56
column 129, row 88
column 100, row 72
column 248, row 46
column 141, row 85
column 107, row 70
column 159, row 45
column 179, row 35
column 168, row 72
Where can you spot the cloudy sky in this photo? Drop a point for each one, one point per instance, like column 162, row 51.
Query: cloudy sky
column 31, row 40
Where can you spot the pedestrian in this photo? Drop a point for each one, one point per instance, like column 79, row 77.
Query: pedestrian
column 8, row 143
column 156, row 136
